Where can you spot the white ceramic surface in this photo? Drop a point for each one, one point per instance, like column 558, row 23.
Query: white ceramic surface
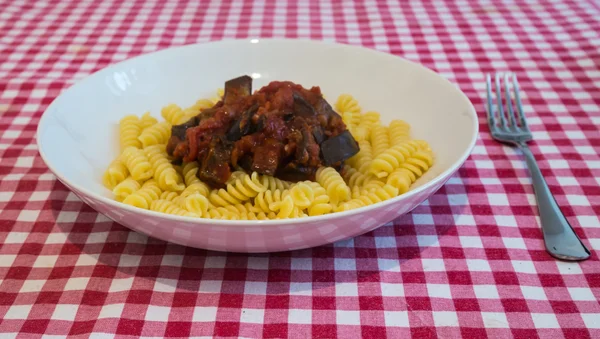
column 77, row 135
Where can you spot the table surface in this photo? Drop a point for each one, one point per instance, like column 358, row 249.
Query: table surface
column 468, row 262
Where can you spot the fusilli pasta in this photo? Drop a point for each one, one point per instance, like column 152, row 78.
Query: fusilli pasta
column 114, row 174
column 173, row 114
column 126, row 188
column 393, row 157
column 333, row 182
column 147, row 120
column 399, row 132
column 143, row 197
column 137, row 163
column 164, row 172
column 388, row 163
column 130, row 128
column 158, row 133
column 347, row 103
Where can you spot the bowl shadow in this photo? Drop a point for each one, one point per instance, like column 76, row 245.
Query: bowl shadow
column 120, row 252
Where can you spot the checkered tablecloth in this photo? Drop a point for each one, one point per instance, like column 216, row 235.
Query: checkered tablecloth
column 468, row 262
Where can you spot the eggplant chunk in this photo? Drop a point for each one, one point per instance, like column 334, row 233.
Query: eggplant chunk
column 243, row 125
column 302, row 107
column 295, row 172
column 237, row 88
column 179, row 130
column 318, row 134
column 339, row 148
column 214, row 167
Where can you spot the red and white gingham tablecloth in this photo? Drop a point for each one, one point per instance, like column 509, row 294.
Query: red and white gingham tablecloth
column 469, row 262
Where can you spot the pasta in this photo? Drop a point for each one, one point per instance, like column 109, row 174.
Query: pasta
column 380, row 140
column 143, row 197
column 410, row 170
column 164, row 172
column 263, row 200
column 156, row 134
column 168, row 207
column 398, row 132
column 363, row 159
column 392, row 158
column 272, row 183
column 130, row 128
column 114, row 174
column 333, row 182
column 347, row 103
column 173, row 114
column 137, row 163
column 370, row 119
column 126, row 188
column 388, row 163
column 302, row 195
column 147, row 120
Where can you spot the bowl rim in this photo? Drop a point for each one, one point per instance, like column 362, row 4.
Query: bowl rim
column 271, row 222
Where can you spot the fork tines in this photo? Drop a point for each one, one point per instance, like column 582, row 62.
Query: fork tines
column 507, row 117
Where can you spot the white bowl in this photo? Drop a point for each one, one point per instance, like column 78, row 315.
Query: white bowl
column 78, row 133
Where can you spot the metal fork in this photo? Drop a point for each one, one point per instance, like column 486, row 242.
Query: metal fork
column 509, row 126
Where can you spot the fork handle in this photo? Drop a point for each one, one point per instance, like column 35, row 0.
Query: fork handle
column 559, row 237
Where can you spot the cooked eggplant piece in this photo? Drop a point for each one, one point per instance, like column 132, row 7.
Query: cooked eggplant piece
column 322, row 107
column 214, row 166
column 237, row 88
column 179, row 130
column 302, row 155
column 266, row 159
column 294, row 172
column 317, row 132
column 339, row 148
column 302, row 107
column 243, row 125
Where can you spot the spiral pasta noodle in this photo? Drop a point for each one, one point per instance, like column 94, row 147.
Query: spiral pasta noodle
column 143, row 197
column 349, row 205
column 147, row 120
column 168, row 207
column 263, row 200
column 347, row 103
column 384, row 193
column 388, row 163
column 137, row 163
column 173, row 114
column 130, row 128
column 242, row 189
column 126, row 188
column 370, row 119
column 334, row 184
column 114, row 174
column 164, row 172
column 158, row 133
column 302, row 195
column 399, row 132
column 169, row 195
column 284, row 208
column 380, row 140
column 190, row 171
column 360, row 133
column 414, row 167
column 363, row 159
column 354, row 177
column 196, row 203
column 272, row 183
column 320, row 203
column 392, row 158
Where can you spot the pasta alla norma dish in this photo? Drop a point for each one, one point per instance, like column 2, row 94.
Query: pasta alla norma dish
column 280, row 152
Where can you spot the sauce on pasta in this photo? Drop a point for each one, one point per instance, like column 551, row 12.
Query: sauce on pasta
column 282, row 130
